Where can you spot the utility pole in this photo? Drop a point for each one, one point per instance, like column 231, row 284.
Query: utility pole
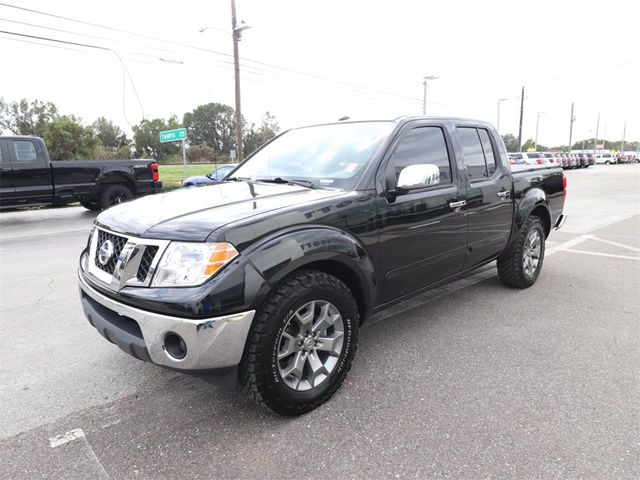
column 535, row 142
column 595, row 140
column 624, row 134
column 500, row 100
column 236, row 65
column 521, row 116
column 573, row 119
column 424, row 95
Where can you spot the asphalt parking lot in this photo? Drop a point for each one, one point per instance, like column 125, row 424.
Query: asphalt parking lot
column 472, row 380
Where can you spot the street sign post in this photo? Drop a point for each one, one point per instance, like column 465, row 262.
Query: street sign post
column 176, row 135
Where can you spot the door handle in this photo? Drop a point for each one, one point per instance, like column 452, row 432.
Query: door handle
column 459, row 204
column 504, row 194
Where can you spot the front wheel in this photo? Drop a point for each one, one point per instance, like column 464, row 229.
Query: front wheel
column 521, row 265
column 301, row 344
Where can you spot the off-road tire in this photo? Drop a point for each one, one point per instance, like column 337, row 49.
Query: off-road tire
column 510, row 264
column 259, row 373
column 114, row 194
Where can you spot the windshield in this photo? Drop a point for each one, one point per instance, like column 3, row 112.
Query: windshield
column 332, row 156
column 220, row 172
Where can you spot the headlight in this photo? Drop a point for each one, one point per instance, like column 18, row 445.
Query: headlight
column 191, row 264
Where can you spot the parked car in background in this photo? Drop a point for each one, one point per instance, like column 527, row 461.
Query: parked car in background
column 552, row 158
column 28, row 177
column 584, row 161
column 210, row 178
column 591, row 159
column 605, row 158
column 526, row 158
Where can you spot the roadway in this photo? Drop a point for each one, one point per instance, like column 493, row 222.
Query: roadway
column 472, row 380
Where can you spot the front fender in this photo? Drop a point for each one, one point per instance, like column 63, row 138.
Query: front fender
column 320, row 247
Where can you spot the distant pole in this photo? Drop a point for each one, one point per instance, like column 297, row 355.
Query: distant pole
column 236, row 66
column 184, row 159
column 624, row 134
column 595, row 140
column 535, row 142
column 424, row 95
column 500, row 100
column 521, row 116
column 573, row 119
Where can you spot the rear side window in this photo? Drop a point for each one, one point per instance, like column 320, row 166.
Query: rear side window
column 422, row 145
column 24, row 151
column 488, row 151
column 472, row 152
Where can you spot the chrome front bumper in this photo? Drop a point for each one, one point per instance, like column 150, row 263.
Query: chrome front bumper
column 211, row 343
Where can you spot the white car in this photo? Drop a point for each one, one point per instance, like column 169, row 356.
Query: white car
column 527, row 158
column 605, row 158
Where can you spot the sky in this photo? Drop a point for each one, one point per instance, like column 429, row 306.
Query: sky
column 316, row 61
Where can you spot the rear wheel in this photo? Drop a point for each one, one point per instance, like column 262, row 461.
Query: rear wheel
column 113, row 195
column 521, row 266
column 301, row 344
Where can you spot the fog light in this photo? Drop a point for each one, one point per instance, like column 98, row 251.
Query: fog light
column 175, row 346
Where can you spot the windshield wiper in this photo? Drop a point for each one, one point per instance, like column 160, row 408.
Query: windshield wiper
column 289, row 181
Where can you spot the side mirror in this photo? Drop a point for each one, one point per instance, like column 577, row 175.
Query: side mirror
column 418, row 176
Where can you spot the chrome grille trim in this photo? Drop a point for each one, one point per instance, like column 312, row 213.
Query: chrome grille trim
column 135, row 263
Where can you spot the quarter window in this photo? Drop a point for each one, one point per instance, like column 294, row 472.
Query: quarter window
column 422, row 145
column 25, row 151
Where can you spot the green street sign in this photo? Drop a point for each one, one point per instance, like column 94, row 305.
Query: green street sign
column 173, row 135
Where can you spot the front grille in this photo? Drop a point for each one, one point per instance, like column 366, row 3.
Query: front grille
column 145, row 264
column 118, row 245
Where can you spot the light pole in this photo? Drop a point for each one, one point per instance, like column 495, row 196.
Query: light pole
column 500, row 100
column 424, row 97
column 595, row 140
column 236, row 33
column 535, row 143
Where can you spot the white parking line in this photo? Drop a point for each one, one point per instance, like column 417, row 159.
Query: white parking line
column 612, row 255
column 615, row 244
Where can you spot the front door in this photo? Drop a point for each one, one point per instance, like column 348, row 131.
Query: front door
column 422, row 233
column 7, row 192
column 31, row 171
column 489, row 202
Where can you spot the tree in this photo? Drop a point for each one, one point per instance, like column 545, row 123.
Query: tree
column 254, row 138
column 511, row 142
column 146, row 137
column 109, row 134
column 24, row 118
column 66, row 139
column 211, row 125
column 528, row 145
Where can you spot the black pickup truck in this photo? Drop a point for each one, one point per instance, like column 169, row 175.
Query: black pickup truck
column 267, row 277
column 28, row 177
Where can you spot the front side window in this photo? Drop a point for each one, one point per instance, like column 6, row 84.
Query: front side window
column 24, row 151
column 422, row 145
column 332, row 156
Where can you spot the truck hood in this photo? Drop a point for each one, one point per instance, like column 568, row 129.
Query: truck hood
column 192, row 214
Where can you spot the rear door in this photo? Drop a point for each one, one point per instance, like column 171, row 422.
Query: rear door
column 422, row 233
column 489, row 202
column 7, row 191
column 31, row 173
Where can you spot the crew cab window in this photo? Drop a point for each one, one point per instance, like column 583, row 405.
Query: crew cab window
column 488, row 151
column 24, row 151
column 473, row 154
column 422, row 145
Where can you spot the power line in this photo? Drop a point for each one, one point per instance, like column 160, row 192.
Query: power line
column 249, row 69
column 215, row 52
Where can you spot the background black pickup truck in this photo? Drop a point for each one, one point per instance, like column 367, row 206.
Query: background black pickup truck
column 28, row 177
column 267, row 276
